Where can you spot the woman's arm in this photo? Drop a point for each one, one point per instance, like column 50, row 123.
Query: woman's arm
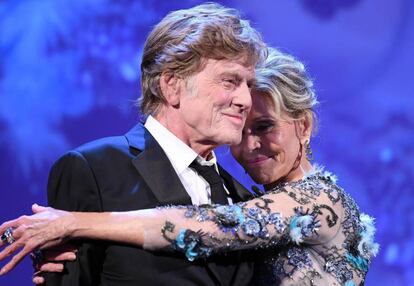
column 285, row 215
column 288, row 214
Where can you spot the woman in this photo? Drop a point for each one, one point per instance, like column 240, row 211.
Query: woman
column 307, row 227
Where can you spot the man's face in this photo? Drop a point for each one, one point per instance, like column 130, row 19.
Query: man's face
column 214, row 102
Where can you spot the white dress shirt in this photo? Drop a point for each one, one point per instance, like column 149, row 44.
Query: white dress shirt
column 181, row 156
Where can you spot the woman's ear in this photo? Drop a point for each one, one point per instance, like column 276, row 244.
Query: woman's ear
column 170, row 88
column 304, row 127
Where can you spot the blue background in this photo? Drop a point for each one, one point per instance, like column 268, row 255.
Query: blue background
column 69, row 72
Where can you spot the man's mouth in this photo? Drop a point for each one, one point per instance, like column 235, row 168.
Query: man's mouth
column 237, row 119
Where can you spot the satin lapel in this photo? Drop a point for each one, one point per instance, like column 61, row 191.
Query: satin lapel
column 159, row 174
column 237, row 191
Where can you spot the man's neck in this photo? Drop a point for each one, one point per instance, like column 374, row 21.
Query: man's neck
column 202, row 147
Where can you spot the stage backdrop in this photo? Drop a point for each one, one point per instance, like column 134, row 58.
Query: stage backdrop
column 69, row 73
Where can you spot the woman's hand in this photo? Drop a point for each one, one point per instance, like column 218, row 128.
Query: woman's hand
column 45, row 228
column 52, row 260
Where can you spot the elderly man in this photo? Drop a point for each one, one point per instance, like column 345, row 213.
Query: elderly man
column 196, row 70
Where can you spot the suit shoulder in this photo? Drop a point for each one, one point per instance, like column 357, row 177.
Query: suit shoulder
column 103, row 145
column 97, row 151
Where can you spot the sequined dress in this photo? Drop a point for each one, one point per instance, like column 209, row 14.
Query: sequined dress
column 308, row 232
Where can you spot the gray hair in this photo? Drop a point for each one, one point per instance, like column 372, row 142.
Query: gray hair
column 181, row 42
column 285, row 81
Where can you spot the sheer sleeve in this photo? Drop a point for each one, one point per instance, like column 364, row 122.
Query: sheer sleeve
column 298, row 213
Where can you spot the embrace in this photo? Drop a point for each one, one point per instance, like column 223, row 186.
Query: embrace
column 153, row 207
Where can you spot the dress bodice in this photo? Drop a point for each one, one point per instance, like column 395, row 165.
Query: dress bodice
column 342, row 259
column 308, row 232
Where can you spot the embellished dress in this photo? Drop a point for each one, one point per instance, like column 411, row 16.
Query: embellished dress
column 308, row 232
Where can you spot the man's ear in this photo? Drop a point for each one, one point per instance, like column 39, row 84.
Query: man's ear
column 170, row 88
column 304, row 127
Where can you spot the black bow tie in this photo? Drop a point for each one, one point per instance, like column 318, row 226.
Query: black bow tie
column 218, row 193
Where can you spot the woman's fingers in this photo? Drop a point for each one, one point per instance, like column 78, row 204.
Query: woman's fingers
column 47, row 267
column 37, row 279
column 52, row 267
column 17, row 226
column 60, row 256
column 23, row 241
column 15, row 259
column 3, row 229
column 51, row 259
column 20, row 236
column 37, row 209
column 10, row 249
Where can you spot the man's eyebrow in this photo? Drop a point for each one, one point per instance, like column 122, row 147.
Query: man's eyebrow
column 238, row 75
column 231, row 73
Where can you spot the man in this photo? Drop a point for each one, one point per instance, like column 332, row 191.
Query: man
column 196, row 70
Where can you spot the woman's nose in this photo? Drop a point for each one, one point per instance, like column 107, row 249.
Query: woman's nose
column 252, row 141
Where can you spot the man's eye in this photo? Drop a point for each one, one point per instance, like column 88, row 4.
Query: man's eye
column 229, row 83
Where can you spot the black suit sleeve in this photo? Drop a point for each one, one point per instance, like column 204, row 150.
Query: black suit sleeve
column 72, row 186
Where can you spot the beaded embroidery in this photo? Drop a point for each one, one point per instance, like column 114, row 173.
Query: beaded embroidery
column 294, row 250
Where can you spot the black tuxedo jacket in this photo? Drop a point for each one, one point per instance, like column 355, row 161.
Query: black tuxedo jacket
column 127, row 173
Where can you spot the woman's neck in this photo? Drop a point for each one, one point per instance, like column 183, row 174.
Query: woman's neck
column 304, row 168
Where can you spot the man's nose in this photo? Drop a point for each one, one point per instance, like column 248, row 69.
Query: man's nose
column 243, row 98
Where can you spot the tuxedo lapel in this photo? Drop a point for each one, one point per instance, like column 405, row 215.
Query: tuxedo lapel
column 237, row 191
column 156, row 170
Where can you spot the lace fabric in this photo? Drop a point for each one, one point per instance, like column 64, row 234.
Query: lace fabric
column 309, row 231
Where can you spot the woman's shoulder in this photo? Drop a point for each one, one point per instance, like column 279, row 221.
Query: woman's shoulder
column 314, row 183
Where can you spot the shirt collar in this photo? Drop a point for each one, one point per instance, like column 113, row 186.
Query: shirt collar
column 179, row 153
column 212, row 161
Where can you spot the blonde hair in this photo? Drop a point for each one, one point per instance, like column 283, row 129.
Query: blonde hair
column 285, row 81
column 184, row 38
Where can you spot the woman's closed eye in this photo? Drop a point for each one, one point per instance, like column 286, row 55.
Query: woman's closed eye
column 264, row 126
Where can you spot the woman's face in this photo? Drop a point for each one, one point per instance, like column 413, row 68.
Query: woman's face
column 270, row 146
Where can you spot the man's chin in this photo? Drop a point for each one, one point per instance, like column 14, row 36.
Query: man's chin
column 230, row 137
column 234, row 140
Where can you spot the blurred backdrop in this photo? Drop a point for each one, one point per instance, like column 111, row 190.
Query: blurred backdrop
column 69, row 73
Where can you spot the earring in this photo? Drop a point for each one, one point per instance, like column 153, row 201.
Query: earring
column 308, row 151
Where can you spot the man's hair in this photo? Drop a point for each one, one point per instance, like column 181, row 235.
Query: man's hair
column 181, row 42
column 284, row 80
